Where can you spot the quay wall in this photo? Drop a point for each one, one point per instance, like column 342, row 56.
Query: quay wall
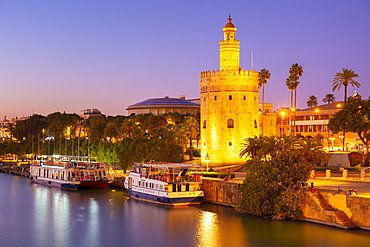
column 221, row 192
column 357, row 208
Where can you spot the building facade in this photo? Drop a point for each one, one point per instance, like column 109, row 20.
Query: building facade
column 229, row 105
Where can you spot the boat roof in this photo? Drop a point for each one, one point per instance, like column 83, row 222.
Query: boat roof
column 65, row 157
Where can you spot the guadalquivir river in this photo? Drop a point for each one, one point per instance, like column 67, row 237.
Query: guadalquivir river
column 37, row 216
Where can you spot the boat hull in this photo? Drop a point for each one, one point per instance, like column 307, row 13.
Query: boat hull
column 173, row 199
column 71, row 185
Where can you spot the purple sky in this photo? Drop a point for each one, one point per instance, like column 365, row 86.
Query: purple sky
column 76, row 54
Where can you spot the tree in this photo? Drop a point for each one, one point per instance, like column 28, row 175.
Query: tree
column 277, row 169
column 345, row 78
column 354, row 117
column 295, row 72
column 312, row 101
column 263, row 76
column 329, row 98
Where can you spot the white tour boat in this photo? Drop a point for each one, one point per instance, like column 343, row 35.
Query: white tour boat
column 167, row 184
column 69, row 172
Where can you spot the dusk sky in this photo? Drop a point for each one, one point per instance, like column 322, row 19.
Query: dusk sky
column 77, row 54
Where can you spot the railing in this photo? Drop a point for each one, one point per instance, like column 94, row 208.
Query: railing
column 344, row 174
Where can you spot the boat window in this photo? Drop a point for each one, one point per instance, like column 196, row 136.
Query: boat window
column 161, row 187
column 174, row 188
column 179, row 187
column 187, row 187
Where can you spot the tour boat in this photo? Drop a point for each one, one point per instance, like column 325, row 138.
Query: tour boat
column 167, row 184
column 69, row 172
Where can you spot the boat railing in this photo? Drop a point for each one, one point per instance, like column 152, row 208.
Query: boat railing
column 170, row 178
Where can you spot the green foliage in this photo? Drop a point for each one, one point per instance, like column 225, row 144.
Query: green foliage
column 326, row 168
column 277, row 169
column 354, row 117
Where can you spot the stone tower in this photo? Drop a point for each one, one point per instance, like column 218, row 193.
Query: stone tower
column 229, row 105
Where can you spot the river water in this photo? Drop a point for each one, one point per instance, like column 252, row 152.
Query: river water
column 37, row 216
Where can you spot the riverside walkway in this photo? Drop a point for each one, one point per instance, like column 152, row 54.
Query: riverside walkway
column 331, row 185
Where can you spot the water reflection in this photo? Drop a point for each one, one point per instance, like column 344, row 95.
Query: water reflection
column 34, row 215
column 207, row 229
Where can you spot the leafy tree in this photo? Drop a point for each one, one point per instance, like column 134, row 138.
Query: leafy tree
column 277, row 169
column 329, row 98
column 312, row 101
column 354, row 117
column 345, row 78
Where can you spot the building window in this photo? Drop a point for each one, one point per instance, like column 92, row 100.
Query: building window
column 230, row 97
column 215, row 97
column 230, row 123
column 230, row 143
column 244, row 97
column 204, row 124
column 255, row 124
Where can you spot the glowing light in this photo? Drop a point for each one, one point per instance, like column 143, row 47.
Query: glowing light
column 317, row 110
column 207, row 229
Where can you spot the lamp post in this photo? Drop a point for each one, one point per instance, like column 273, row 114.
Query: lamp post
column 207, row 160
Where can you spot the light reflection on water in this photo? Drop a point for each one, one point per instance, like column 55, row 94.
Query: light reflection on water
column 34, row 215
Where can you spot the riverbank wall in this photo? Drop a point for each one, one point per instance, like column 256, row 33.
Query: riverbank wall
column 226, row 193
column 343, row 211
column 339, row 210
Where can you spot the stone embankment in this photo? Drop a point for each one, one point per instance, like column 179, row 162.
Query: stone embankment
column 323, row 207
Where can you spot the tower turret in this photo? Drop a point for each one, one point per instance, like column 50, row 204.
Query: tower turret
column 229, row 47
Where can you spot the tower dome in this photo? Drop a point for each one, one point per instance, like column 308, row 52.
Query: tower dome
column 229, row 23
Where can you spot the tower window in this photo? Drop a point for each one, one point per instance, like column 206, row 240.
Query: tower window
column 255, row 124
column 230, row 123
column 215, row 97
column 230, row 143
column 230, row 97
column 244, row 97
column 204, row 124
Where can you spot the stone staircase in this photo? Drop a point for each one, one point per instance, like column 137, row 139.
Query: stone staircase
column 341, row 218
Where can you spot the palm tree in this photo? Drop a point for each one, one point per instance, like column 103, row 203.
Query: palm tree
column 329, row 98
column 312, row 101
column 295, row 72
column 345, row 78
column 263, row 76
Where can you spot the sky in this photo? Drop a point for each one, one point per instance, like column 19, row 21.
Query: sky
column 73, row 55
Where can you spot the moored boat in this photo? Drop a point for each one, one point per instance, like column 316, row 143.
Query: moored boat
column 69, row 172
column 167, row 184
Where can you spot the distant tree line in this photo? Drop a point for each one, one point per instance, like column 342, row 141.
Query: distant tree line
column 119, row 139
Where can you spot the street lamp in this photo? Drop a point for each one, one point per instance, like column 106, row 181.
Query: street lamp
column 207, row 160
column 282, row 123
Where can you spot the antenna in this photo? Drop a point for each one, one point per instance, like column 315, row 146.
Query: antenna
column 252, row 61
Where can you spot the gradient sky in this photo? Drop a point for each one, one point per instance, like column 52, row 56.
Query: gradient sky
column 72, row 55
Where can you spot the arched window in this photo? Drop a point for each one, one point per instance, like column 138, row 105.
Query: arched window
column 230, row 123
column 244, row 97
column 255, row 124
column 230, row 97
column 204, row 124
column 215, row 97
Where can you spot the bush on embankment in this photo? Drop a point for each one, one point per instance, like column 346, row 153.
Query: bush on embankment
column 277, row 172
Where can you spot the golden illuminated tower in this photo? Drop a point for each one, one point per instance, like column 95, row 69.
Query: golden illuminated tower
column 229, row 104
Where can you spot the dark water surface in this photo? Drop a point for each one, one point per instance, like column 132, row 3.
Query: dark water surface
column 34, row 215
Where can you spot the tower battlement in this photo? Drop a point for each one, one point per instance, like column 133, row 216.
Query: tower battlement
column 228, row 72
